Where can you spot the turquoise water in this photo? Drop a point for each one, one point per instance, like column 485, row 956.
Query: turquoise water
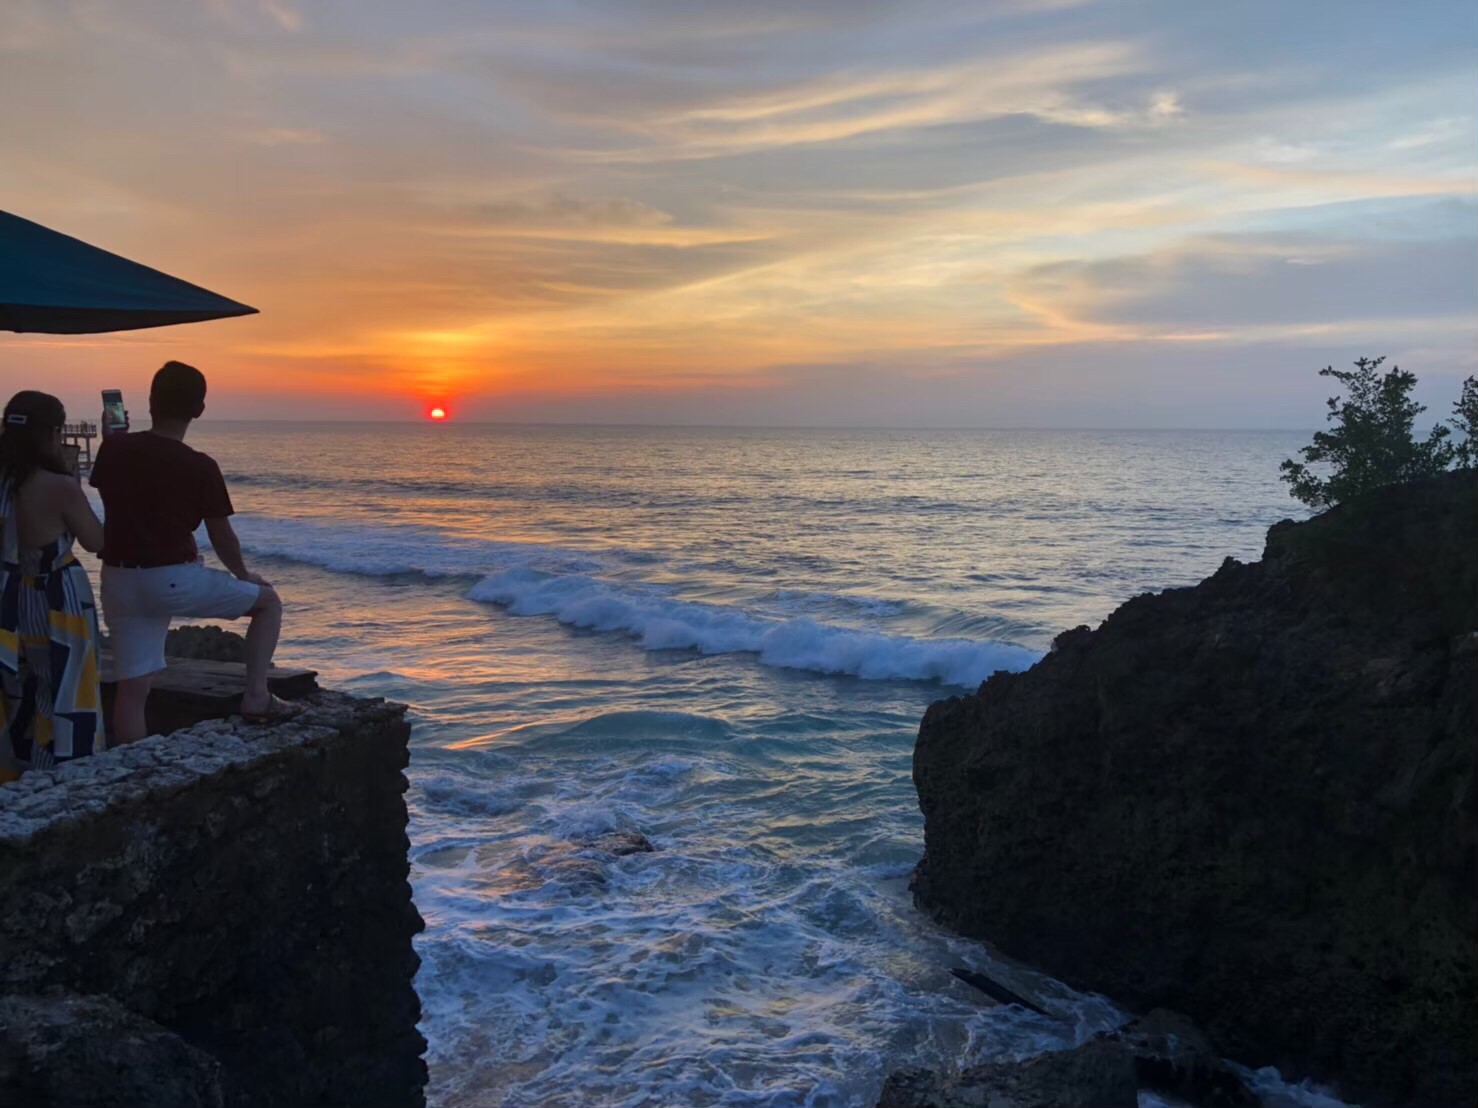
column 724, row 640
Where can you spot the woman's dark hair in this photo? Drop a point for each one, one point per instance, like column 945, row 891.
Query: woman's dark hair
column 31, row 419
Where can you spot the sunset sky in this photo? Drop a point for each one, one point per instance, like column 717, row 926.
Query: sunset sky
column 989, row 213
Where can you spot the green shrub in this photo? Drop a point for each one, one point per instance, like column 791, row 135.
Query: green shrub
column 1465, row 422
column 1371, row 443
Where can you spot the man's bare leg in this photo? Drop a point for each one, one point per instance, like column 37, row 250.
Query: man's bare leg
column 261, row 641
column 129, row 699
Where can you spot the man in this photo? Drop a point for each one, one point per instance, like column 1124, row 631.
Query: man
column 156, row 491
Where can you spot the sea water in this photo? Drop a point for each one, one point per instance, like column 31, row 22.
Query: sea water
column 722, row 640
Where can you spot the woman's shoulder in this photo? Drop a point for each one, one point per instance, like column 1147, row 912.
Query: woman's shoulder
column 44, row 482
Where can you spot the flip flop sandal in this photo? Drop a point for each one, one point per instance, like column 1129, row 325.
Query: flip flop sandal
column 280, row 712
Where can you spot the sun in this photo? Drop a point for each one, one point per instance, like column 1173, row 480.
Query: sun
column 437, row 414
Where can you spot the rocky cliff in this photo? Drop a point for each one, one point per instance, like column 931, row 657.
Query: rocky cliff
column 217, row 918
column 1252, row 801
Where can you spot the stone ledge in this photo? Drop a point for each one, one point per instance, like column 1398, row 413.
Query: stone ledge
column 243, row 887
column 161, row 764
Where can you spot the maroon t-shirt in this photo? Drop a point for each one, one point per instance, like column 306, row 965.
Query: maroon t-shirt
column 156, row 491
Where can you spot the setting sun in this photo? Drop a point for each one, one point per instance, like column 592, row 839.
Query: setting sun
column 437, row 414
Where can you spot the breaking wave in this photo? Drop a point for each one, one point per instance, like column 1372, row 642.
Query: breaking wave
column 659, row 622
column 574, row 587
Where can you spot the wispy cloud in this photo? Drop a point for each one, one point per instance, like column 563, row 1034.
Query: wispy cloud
column 671, row 204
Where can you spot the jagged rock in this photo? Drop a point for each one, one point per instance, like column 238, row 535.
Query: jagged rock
column 91, row 1052
column 1098, row 1074
column 1163, row 1052
column 1172, row 1055
column 1252, row 801
column 584, row 866
column 205, row 642
column 622, row 843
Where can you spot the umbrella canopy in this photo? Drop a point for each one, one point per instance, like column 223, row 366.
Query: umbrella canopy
column 60, row 285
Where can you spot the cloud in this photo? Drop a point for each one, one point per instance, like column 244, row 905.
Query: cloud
column 941, row 199
column 1037, row 84
column 285, row 136
column 569, row 211
column 283, row 14
column 1223, row 283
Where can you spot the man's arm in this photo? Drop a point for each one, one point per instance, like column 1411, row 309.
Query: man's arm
column 227, row 546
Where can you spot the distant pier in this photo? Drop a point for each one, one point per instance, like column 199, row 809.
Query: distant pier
column 81, row 435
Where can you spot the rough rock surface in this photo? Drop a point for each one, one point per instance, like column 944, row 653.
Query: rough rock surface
column 91, row 1052
column 1098, row 1074
column 205, row 641
column 1252, row 801
column 243, row 887
column 1163, row 1053
column 1172, row 1055
column 622, row 844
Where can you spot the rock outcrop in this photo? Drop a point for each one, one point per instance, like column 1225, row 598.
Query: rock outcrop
column 205, row 641
column 92, row 1052
column 228, row 904
column 1252, row 801
column 1098, row 1074
column 1162, row 1053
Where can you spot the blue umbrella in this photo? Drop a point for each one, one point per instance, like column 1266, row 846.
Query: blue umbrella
column 60, row 285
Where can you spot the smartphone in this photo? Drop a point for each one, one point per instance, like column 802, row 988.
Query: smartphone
column 113, row 413
column 71, row 457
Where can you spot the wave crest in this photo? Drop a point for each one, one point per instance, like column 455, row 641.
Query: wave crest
column 659, row 622
column 540, row 579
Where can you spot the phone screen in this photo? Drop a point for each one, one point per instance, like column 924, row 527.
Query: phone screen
column 113, row 408
column 71, row 457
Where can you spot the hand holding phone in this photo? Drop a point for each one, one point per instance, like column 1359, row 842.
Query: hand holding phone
column 115, row 416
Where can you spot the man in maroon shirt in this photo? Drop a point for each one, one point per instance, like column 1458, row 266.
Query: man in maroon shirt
column 156, row 491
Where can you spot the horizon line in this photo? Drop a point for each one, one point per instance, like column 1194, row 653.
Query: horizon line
column 1167, row 428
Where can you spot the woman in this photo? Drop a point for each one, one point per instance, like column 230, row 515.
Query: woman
column 50, row 700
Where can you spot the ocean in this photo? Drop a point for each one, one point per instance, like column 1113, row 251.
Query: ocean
column 723, row 640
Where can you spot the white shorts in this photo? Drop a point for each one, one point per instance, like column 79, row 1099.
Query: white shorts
column 139, row 603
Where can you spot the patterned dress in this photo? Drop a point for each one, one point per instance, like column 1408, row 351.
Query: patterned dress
column 50, row 699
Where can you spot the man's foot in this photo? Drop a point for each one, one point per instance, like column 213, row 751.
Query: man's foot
column 273, row 710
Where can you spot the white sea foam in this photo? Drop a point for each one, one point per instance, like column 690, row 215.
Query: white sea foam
column 1274, row 1092
column 388, row 549
column 718, row 971
column 543, row 579
column 659, row 622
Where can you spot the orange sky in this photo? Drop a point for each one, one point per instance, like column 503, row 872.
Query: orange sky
column 1023, row 212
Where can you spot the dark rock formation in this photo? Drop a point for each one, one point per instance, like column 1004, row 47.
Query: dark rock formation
column 244, row 888
column 583, row 865
column 621, row 844
column 1172, row 1055
column 1252, row 801
column 1162, row 1053
column 205, row 641
column 1098, row 1074
column 91, row 1052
